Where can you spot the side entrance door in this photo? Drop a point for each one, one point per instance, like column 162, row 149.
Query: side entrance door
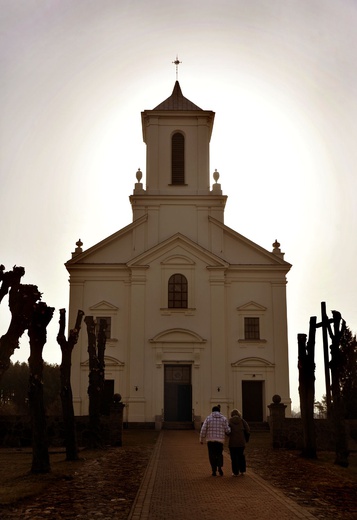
column 177, row 393
column 252, row 400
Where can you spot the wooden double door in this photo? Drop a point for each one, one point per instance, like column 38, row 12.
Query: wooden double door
column 177, row 393
column 252, row 400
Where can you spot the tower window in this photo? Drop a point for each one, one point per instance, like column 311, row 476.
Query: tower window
column 178, row 159
column 251, row 328
column 177, row 292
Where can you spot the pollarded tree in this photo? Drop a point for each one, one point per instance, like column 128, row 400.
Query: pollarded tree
column 66, row 388
column 306, row 367
column 22, row 299
column 348, row 373
column 28, row 313
column 37, row 331
column 336, row 332
column 96, row 351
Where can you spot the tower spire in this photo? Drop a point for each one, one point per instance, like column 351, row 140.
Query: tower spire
column 177, row 63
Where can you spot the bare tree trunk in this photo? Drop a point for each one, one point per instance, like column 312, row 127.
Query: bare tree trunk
column 307, row 389
column 338, row 409
column 41, row 317
column 96, row 379
column 66, row 389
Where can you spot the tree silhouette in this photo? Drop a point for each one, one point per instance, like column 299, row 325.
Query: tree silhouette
column 307, row 389
column 41, row 316
column 96, row 349
column 338, row 409
column 28, row 313
column 66, row 388
column 22, row 299
column 348, row 374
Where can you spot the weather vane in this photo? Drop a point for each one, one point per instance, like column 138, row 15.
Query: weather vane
column 177, row 63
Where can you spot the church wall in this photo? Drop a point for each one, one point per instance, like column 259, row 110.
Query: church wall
column 138, row 306
column 100, row 298
column 184, row 218
column 267, row 359
column 196, row 319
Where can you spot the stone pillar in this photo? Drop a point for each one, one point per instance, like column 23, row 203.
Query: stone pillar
column 276, row 421
column 116, row 421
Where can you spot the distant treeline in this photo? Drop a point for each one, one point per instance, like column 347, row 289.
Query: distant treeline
column 14, row 389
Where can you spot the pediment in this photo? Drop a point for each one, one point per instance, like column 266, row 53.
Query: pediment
column 251, row 307
column 177, row 260
column 107, row 249
column 178, row 247
column 252, row 362
column 178, row 336
column 103, row 306
column 109, row 362
column 239, row 250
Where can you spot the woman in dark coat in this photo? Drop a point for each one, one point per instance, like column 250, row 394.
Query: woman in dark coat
column 237, row 442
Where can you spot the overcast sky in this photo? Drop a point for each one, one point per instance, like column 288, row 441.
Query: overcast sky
column 281, row 76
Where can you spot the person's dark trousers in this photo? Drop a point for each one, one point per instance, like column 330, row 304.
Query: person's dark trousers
column 238, row 460
column 215, row 454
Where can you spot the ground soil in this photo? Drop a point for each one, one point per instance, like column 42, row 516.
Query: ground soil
column 109, row 480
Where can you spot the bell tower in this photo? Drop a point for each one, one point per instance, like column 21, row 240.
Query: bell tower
column 177, row 134
column 177, row 197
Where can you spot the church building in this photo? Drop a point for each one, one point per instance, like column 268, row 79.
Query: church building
column 196, row 313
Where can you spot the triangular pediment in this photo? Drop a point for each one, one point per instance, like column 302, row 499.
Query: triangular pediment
column 103, row 306
column 251, row 307
column 253, row 362
column 177, row 336
column 178, row 247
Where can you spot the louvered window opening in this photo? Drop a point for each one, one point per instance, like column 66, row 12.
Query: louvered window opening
column 178, row 159
column 177, row 292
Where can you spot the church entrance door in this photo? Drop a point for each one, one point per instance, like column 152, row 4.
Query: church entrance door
column 252, row 400
column 177, row 393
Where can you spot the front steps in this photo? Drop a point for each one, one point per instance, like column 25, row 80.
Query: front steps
column 177, row 425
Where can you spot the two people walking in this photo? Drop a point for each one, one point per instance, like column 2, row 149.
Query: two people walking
column 214, row 430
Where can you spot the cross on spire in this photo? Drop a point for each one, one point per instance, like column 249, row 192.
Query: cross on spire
column 177, row 63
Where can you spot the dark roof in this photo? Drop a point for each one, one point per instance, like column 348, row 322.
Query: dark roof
column 177, row 101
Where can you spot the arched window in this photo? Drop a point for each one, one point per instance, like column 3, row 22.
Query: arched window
column 177, row 292
column 178, row 159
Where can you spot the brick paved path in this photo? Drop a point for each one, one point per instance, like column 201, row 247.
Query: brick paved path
column 178, row 486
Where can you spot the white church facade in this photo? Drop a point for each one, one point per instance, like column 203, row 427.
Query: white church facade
column 196, row 313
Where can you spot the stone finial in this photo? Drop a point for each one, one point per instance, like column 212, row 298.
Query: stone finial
column 276, row 399
column 139, row 175
column 78, row 249
column 277, row 250
column 276, row 247
column 138, row 188
column 216, row 188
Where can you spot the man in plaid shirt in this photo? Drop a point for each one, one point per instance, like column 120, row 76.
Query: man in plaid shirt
column 214, row 430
